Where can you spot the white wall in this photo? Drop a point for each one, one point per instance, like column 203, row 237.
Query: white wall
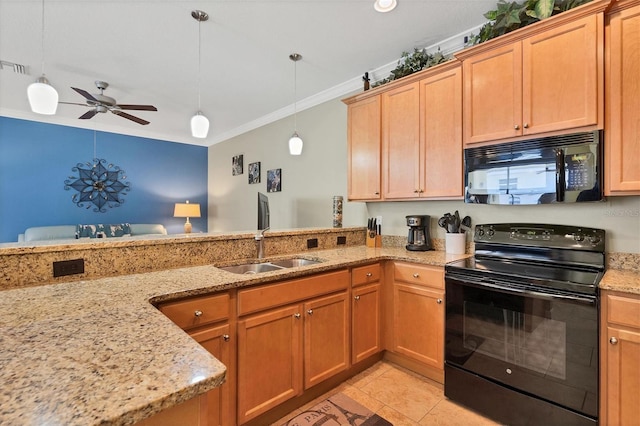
column 310, row 181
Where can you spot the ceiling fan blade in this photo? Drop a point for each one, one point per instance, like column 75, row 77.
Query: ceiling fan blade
column 130, row 117
column 72, row 103
column 89, row 114
column 86, row 94
column 138, row 107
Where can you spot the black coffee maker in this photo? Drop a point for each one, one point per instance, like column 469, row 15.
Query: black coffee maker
column 418, row 238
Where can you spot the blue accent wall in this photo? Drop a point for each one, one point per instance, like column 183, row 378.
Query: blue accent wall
column 36, row 158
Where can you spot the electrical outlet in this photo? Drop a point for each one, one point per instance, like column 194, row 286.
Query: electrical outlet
column 312, row 243
column 68, row 267
column 341, row 240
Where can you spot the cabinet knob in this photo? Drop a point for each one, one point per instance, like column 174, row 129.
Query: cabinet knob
column 198, row 313
column 356, row 297
column 439, row 301
column 225, row 337
column 297, row 316
column 516, row 127
column 416, row 275
column 377, row 193
column 310, row 311
column 526, row 125
column 613, row 341
column 369, row 274
column 415, row 191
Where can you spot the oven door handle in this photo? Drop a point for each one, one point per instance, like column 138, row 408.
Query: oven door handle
column 537, row 294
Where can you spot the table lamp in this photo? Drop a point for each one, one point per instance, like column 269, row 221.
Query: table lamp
column 186, row 210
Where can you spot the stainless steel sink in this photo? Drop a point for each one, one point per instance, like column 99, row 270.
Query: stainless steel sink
column 256, row 268
column 294, row 263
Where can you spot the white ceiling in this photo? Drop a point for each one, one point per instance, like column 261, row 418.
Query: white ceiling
column 147, row 50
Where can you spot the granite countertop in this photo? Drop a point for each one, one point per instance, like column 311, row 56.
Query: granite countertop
column 626, row 281
column 98, row 352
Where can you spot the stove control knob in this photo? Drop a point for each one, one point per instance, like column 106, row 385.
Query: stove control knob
column 491, row 232
column 594, row 239
column 480, row 232
column 578, row 237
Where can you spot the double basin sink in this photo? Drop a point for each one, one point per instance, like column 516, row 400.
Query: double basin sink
column 274, row 265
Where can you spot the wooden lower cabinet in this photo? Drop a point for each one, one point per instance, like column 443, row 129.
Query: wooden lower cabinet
column 620, row 359
column 217, row 402
column 285, row 350
column 269, row 360
column 418, row 315
column 189, row 413
column 366, row 311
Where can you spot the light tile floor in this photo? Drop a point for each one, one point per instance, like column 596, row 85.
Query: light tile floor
column 402, row 397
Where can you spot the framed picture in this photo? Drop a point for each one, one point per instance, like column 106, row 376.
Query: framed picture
column 274, row 180
column 236, row 164
column 254, row 172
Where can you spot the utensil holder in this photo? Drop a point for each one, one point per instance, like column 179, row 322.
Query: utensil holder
column 455, row 243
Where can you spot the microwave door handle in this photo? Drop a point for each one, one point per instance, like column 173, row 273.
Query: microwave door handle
column 560, row 174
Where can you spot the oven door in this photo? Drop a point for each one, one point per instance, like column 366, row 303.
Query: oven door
column 540, row 344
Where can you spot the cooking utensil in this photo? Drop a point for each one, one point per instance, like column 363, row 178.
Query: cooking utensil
column 465, row 225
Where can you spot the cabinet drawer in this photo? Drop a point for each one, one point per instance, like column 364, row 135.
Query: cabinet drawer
column 430, row 276
column 365, row 274
column 623, row 310
column 278, row 294
column 198, row 311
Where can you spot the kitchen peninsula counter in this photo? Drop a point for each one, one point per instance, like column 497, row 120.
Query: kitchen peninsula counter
column 98, row 351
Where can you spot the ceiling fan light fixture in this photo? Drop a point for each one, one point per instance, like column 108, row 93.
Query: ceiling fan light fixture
column 43, row 97
column 384, row 6
column 295, row 144
column 199, row 126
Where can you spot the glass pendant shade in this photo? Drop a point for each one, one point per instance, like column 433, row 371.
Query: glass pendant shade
column 43, row 98
column 199, row 126
column 295, row 144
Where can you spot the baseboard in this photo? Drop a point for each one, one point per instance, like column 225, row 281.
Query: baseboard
column 435, row 374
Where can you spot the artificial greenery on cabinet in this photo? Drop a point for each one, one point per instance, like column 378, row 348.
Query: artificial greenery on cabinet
column 509, row 16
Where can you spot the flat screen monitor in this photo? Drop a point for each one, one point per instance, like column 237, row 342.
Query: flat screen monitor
column 263, row 211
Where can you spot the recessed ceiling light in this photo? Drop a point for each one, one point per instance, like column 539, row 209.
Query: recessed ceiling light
column 385, row 5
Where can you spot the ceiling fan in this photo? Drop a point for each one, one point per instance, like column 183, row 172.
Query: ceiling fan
column 102, row 103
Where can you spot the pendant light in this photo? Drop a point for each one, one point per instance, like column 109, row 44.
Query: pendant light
column 43, row 98
column 295, row 142
column 199, row 123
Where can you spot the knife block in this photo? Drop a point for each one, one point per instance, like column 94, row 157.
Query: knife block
column 375, row 241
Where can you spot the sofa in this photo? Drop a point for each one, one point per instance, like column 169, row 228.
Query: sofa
column 64, row 232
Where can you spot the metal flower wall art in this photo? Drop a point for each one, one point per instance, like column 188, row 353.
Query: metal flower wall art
column 97, row 185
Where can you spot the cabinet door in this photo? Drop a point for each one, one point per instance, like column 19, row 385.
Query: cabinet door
column 326, row 338
column 216, row 340
column 493, row 94
column 441, row 134
column 274, row 337
column 623, row 103
column 623, row 377
column 401, row 142
column 419, row 324
column 364, row 149
column 365, row 322
column 562, row 76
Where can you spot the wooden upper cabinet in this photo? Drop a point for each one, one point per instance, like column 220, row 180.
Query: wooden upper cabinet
column 622, row 123
column 401, row 142
column 441, row 161
column 363, row 124
column 544, row 79
column 562, row 77
column 493, row 94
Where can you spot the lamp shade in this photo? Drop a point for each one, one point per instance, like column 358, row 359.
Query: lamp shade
column 186, row 210
column 43, row 98
column 295, row 144
column 199, row 126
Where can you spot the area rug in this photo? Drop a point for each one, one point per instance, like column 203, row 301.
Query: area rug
column 336, row 410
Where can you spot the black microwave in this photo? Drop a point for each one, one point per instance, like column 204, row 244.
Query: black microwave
column 556, row 169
